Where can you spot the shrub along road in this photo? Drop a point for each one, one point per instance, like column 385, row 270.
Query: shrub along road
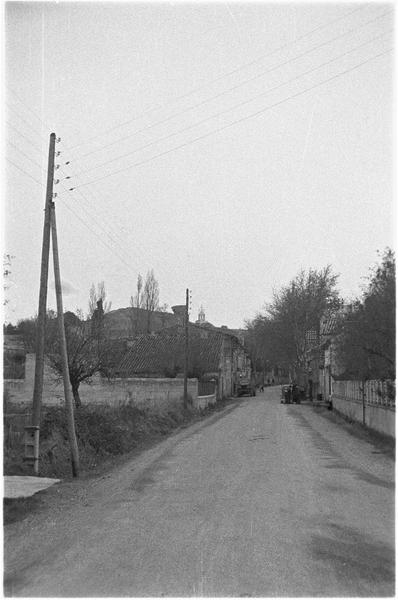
column 262, row 499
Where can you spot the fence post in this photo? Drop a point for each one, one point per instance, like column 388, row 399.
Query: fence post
column 363, row 403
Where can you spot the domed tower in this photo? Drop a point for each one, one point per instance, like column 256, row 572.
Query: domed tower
column 201, row 317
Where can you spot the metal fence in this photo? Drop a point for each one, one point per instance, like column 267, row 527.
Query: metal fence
column 377, row 392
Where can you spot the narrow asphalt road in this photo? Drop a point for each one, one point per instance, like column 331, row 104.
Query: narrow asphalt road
column 262, row 499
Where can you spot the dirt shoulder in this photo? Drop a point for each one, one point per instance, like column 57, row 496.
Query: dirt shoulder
column 71, row 491
column 384, row 443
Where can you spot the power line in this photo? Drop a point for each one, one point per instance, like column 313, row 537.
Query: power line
column 69, row 208
column 25, row 173
column 116, row 239
column 244, row 102
column 26, row 122
column 215, row 80
column 219, row 95
column 230, row 124
column 235, row 122
column 25, row 155
column 99, row 237
column 99, row 225
column 91, row 216
column 24, row 137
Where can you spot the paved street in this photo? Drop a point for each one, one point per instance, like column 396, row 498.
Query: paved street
column 262, row 499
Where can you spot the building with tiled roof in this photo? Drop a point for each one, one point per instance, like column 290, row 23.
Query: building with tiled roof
column 212, row 354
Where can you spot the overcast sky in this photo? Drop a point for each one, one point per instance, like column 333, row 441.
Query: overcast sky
column 195, row 148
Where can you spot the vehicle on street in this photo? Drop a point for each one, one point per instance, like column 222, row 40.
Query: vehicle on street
column 292, row 393
column 245, row 386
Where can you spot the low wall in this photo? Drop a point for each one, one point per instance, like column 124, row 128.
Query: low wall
column 376, row 409
column 203, row 402
column 149, row 391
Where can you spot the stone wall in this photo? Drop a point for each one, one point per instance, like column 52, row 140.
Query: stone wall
column 148, row 391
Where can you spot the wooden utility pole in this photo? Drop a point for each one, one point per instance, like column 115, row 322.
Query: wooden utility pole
column 64, row 354
column 41, row 318
column 186, row 349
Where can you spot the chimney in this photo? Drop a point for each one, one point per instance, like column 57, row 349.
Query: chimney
column 179, row 311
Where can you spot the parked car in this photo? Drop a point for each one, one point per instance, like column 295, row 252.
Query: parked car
column 246, row 387
column 292, row 393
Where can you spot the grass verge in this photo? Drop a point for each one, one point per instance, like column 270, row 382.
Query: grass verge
column 106, row 436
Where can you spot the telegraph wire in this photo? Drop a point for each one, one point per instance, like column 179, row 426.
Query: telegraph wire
column 24, row 136
column 244, row 102
column 25, row 173
column 26, row 122
column 262, row 111
column 231, row 89
column 114, row 235
column 118, row 240
column 187, row 128
column 100, row 238
column 90, row 215
column 215, row 80
column 26, row 156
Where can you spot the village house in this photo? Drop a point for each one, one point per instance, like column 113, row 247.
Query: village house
column 213, row 355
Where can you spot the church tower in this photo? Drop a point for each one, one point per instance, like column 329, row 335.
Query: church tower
column 201, row 317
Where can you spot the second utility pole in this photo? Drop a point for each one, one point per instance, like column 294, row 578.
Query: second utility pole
column 70, row 421
column 186, row 350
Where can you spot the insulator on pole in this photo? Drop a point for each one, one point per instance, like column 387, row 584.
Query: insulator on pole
column 58, row 140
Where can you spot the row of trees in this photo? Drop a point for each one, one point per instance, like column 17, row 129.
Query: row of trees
column 364, row 337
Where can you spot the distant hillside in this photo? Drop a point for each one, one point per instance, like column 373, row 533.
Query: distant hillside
column 128, row 322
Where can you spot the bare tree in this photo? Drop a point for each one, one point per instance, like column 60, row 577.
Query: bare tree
column 95, row 295
column 88, row 352
column 7, row 258
column 150, row 296
column 136, row 301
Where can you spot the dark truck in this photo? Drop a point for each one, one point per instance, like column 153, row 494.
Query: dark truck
column 245, row 386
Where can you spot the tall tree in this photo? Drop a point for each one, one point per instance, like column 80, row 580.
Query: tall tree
column 295, row 309
column 95, row 295
column 7, row 258
column 150, row 301
column 365, row 346
column 136, row 302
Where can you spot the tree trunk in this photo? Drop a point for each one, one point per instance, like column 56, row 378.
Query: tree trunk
column 76, row 397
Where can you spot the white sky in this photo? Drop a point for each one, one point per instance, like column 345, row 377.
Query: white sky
column 233, row 215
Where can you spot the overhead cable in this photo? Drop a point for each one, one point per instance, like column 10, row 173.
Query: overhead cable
column 220, row 94
column 25, row 173
column 220, row 77
column 262, row 111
